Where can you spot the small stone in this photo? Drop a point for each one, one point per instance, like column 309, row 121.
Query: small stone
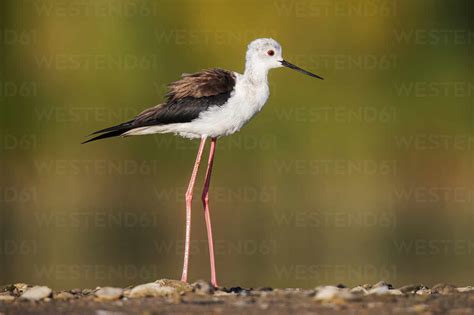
column 443, row 288
column 423, row 291
column 384, row 290
column 222, row 293
column 152, row 289
column 411, row 288
column 465, row 289
column 64, row 295
column 76, row 291
column 36, row 293
column 379, row 290
column 6, row 298
column 7, row 288
column 382, row 284
column 86, row 292
column 108, row 294
column 240, row 291
column 203, row 287
column 359, row 290
column 180, row 286
column 19, row 288
column 236, row 290
column 333, row 294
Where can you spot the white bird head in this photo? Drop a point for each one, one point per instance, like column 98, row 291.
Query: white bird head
column 264, row 54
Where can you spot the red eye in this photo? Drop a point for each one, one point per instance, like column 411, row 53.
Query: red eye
column 270, row 52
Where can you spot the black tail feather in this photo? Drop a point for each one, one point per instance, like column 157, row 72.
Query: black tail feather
column 113, row 131
column 109, row 134
column 125, row 125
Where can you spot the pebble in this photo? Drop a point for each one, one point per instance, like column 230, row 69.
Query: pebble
column 203, row 287
column 151, row 289
column 359, row 290
column 180, row 286
column 36, row 293
column 6, row 298
column 19, row 288
column 332, row 293
column 64, row 295
column 240, row 291
column 423, row 291
column 86, row 292
column 222, row 293
column 383, row 290
column 108, row 294
column 443, row 288
column 465, row 289
column 382, row 284
column 411, row 288
column 379, row 290
column 75, row 291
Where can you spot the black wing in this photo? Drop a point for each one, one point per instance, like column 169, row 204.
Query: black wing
column 185, row 100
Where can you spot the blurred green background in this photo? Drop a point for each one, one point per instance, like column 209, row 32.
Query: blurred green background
column 367, row 175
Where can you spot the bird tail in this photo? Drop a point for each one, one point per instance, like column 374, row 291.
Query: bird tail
column 110, row 132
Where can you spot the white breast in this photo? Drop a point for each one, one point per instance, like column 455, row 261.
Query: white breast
column 246, row 100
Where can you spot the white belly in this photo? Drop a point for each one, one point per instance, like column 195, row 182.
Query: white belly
column 218, row 121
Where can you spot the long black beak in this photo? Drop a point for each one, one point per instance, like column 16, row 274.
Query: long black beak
column 292, row 66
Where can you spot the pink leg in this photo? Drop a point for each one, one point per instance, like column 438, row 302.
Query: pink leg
column 207, row 216
column 189, row 199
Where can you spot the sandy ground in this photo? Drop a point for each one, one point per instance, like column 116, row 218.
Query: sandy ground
column 174, row 297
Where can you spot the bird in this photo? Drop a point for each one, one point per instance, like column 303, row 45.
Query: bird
column 212, row 103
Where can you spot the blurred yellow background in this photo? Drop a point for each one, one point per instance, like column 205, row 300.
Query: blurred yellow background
column 367, row 175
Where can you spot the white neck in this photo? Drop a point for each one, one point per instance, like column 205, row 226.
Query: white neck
column 255, row 73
